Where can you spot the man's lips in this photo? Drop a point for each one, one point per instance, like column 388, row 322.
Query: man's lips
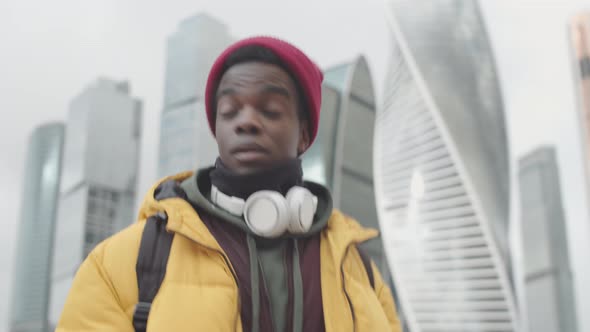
column 250, row 153
column 249, row 148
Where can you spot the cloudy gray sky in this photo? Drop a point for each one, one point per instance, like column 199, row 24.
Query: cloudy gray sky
column 52, row 49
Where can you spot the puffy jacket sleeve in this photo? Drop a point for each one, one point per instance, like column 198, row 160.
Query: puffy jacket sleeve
column 92, row 303
column 386, row 299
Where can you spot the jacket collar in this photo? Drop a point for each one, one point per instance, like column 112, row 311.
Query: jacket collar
column 182, row 218
column 341, row 231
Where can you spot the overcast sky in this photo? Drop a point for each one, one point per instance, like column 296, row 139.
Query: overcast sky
column 50, row 50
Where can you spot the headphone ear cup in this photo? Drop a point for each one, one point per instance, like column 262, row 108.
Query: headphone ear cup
column 266, row 213
column 301, row 208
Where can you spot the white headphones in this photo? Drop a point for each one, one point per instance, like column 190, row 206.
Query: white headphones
column 268, row 214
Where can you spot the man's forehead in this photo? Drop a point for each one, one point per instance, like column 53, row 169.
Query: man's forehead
column 256, row 73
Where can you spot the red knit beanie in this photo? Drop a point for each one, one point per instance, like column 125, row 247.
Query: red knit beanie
column 306, row 72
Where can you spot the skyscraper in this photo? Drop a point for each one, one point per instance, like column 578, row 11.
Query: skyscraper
column 185, row 139
column 548, row 280
column 340, row 158
column 99, row 178
column 30, row 298
column 580, row 42
column 442, row 172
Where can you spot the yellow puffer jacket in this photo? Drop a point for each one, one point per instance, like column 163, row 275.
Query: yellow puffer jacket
column 199, row 292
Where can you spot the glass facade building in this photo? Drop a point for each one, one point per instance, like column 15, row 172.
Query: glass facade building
column 186, row 142
column 99, row 178
column 341, row 157
column 30, row 297
column 442, row 173
column 550, row 303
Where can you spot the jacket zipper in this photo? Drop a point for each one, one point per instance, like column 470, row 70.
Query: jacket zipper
column 344, row 288
column 220, row 252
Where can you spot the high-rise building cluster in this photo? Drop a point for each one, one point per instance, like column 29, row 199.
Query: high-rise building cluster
column 429, row 167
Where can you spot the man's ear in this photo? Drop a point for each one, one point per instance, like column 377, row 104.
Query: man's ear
column 304, row 138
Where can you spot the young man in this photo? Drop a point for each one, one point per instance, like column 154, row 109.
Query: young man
column 252, row 247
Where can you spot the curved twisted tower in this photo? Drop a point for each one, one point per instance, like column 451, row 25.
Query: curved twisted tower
column 442, row 170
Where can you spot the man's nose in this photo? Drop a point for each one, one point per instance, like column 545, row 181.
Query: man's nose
column 248, row 121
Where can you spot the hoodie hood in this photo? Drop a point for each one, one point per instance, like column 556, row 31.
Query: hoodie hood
column 198, row 190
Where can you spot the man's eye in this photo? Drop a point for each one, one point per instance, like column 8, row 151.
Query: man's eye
column 272, row 114
column 227, row 112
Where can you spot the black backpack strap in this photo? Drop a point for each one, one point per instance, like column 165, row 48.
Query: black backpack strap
column 151, row 266
column 367, row 263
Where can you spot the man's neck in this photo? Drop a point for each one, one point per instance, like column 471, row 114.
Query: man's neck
column 281, row 178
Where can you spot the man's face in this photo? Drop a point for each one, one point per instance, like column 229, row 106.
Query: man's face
column 257, row 124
